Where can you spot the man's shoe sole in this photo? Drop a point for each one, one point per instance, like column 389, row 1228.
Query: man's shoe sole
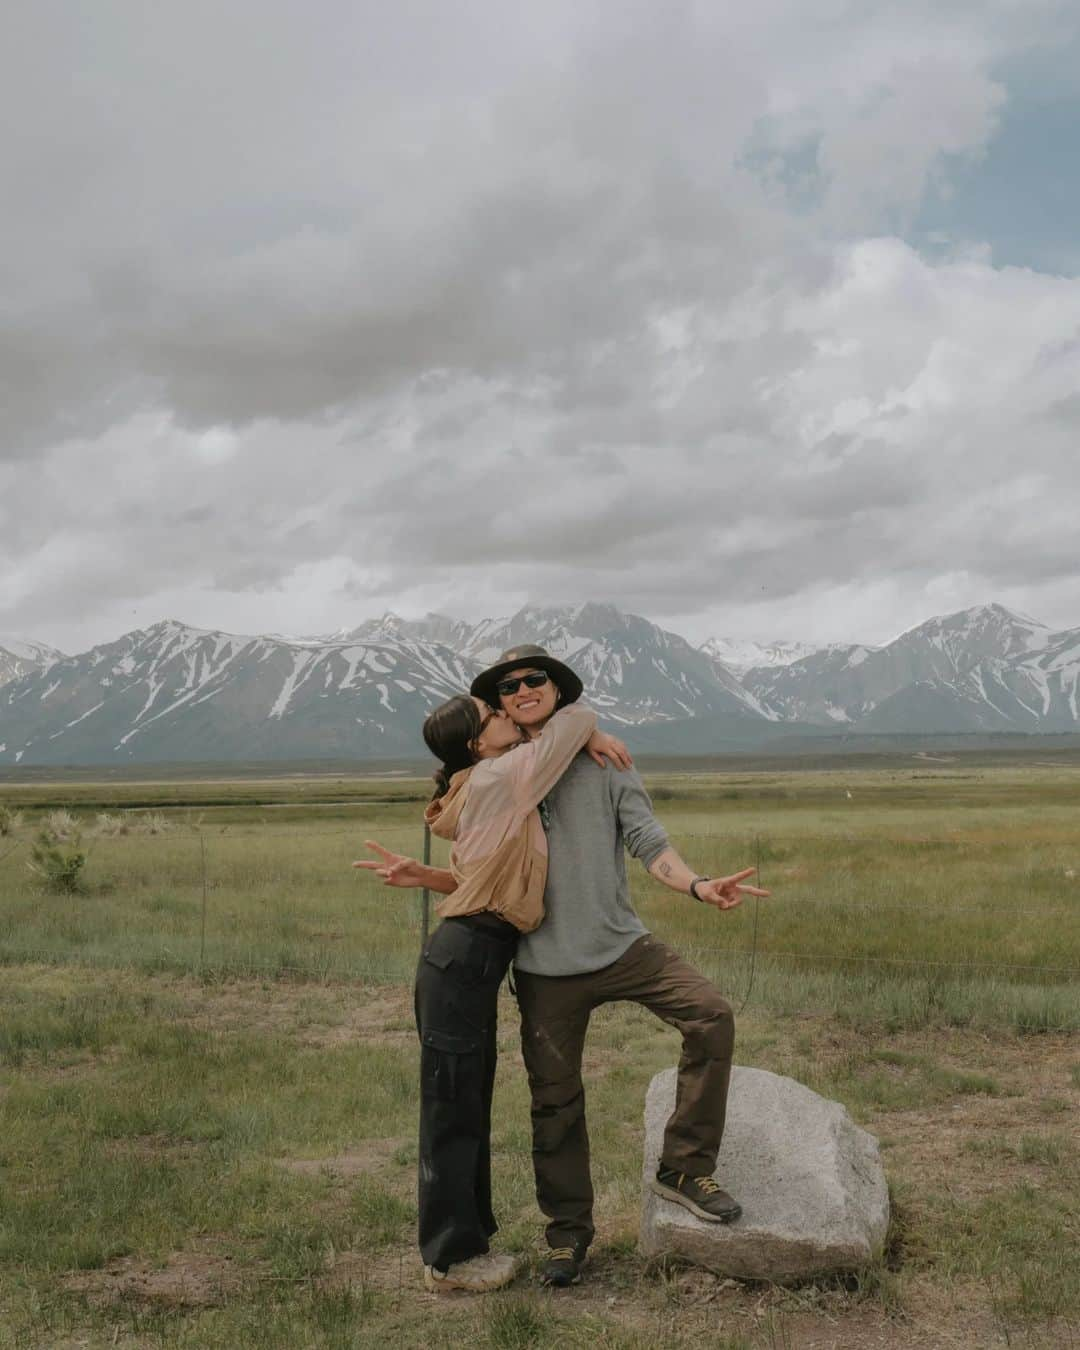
column 669, row 1193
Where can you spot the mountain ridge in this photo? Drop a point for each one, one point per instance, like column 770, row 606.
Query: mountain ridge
column 985, row 668
column 175, row 692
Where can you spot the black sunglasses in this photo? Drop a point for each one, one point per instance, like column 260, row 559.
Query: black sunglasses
column 536, row 680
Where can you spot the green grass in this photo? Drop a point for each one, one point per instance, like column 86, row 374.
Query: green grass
column 1045, row 1150
column 1021, row 1241
column 173, row 1126
column 383, row 1218
column 155, row 1098
column 519, row 1322
column 922, row 898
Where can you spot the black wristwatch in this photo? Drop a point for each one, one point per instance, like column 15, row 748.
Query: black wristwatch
column 693, row 888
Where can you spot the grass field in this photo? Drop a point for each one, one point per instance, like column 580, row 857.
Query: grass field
column 207, row 1064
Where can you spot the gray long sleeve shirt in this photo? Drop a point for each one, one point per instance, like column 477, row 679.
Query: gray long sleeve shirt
column 595, row 816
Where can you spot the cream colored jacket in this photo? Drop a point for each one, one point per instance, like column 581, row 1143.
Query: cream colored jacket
column 499, row 854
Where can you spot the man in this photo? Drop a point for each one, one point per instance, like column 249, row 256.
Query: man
column 592, row 949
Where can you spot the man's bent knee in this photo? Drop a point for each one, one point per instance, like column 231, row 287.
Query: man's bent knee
column 711, row 1033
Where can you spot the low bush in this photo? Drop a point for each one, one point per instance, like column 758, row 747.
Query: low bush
column 58, row 860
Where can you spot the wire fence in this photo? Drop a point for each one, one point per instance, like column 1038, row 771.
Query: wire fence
column 266, row 900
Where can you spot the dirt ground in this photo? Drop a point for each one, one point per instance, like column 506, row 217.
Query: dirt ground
column 960, row 1147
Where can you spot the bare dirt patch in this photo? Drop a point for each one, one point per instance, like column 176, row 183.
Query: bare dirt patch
column 317, row 1015
column 371, row 1156
column 396, row 1271
column 387, row 1014
column 185, row 1279
column 931, row 1320
column 939, row 1145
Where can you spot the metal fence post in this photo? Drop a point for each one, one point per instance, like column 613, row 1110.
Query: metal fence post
column 425, row 897
column 202, row 926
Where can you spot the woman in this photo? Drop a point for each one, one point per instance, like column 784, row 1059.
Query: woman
column 487, row 793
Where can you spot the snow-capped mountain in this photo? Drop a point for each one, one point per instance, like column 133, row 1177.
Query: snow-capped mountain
column 813, row 688
column 633, row 670
column 1034, row 689
column 985, row 669
column 171, row 692
column 176, row 693
column 738, row 655
column 18, row 656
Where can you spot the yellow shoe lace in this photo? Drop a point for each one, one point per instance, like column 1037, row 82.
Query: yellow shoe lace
column 561, row 1254
column 708, row 1185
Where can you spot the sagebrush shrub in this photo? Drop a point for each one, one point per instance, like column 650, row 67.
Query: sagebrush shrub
column 62, row 824
column 111, row 827
column 154, row 823
column 115, row 826
column 58, row 861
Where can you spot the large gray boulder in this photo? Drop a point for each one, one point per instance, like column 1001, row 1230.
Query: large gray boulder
column 810, row 1182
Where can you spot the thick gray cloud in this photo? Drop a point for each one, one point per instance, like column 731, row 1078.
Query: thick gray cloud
column 310, row 310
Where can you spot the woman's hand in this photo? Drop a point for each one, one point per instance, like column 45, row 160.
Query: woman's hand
column 396, row 869
column 727, row 892
column 602, row 746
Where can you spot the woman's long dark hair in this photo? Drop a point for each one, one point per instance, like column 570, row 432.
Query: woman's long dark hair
column 449, row 732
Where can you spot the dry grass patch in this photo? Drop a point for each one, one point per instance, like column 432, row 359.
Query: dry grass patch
column 373, row 1157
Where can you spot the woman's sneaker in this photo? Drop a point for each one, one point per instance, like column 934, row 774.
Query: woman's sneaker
column 562, row 1267
column 700, row 1195
column 475, row 1276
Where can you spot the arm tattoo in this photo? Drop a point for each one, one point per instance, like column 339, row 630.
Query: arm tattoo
column 665, row 869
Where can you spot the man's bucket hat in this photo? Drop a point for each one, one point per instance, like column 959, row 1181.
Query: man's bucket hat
column 516, row 658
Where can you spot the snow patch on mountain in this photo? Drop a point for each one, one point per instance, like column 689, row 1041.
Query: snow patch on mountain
column 742, row 654
column 22, row 656
column 301, row 662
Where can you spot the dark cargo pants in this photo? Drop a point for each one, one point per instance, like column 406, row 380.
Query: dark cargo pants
column 457, row 993
column 555, row 1013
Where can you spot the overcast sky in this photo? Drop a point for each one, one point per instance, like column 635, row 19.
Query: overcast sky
column 759, row 320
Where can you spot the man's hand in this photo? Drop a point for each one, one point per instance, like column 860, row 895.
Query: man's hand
column 727, row 892
column 603, row 747
column 396, row 869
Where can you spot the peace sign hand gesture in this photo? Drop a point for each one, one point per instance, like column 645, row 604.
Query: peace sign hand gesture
column 727, row 892
column 396, row 869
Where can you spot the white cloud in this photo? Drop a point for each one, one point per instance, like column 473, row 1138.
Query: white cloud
column 389, row 308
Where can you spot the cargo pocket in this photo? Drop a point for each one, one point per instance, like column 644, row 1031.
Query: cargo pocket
column 441, row 1063
column 462, row 951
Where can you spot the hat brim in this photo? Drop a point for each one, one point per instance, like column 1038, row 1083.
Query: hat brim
column 567, row 683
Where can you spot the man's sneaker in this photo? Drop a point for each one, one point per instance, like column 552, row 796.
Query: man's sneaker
column 700, row 1195
column 475, row 1276
column 562, row 1267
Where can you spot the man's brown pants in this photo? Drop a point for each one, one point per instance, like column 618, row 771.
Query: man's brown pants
column 555, row 1014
